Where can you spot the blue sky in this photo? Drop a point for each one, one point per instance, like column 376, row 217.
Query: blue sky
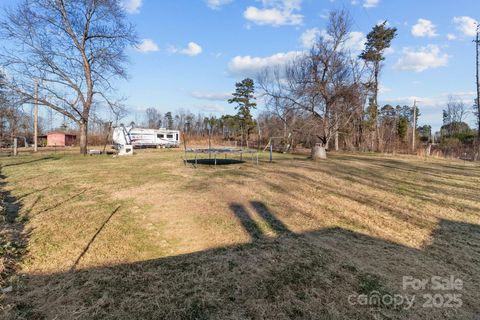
column 194, row 51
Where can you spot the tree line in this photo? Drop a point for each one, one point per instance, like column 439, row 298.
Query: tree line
column 325, row 98
column 322, row 93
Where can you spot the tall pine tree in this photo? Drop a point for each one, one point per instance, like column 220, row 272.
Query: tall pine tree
column 378, row 40
column 244, row 97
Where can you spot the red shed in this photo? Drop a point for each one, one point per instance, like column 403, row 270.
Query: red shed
column 60, row 139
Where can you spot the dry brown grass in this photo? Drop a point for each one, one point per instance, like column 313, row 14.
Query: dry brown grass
column 291, row 239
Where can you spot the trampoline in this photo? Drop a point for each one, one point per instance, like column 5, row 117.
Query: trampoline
column 219, row 151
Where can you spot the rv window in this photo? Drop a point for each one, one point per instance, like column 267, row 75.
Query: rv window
column 170, row 136
column 176, row 136
column 160, row 136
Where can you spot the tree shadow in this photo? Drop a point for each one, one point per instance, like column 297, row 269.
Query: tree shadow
column 378, row 174
column 20, row 197
column 30, row 161
column 61, row 203
column 308, row 275
column 84, row 251
column 13, row 237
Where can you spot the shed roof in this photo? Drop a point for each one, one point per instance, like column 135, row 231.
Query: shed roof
column 61, row 132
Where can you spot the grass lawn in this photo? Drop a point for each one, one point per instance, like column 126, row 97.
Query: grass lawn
column 146, row 237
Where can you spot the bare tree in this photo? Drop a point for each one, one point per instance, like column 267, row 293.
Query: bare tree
column 14, row 121
column 454, row 115
column 73, row 49
column 456, row 110
column 321, row 84
column 283, row 110
column 153, row 118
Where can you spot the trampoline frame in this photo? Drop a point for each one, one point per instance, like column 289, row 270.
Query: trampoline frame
column 217, row 151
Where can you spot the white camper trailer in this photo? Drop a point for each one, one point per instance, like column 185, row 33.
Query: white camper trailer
column 144, row 138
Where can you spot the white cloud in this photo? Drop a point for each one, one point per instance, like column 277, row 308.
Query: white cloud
column 132, row 6
column 428, row 57
column 275, row 13
column 433, row 101
column 466, row 25
column 147, row 45
column 370, row 3
column 211, row 108
column 215, row 96
column 248, row 66
column 308, row 37
column 388, row 51
column 325, row 14
column 451, row 36
column 424, row 28
column 466, row 96
column 216, row 55
column 355, row 42
column 217, row 4
column 408, row 100
column 383, row 89
column 192, row 49
column 172, row 49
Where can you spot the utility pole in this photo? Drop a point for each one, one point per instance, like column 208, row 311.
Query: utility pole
column 35, row 119
column 477, row 45
column 414, row 128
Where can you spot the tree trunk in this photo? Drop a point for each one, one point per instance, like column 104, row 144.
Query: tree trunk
column 337, row 147
column 319, row 152
column 377, row 135
column 428, row 151
column 336, row 132
column 83, row 137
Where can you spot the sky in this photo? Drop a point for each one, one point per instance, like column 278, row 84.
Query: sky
column 193, row 51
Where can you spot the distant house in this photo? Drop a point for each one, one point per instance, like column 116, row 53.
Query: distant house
column 60, row 139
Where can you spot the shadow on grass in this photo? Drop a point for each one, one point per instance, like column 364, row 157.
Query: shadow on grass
column 93, row 238
column 13, row 237
column 292, row 275
column 425, row 184
column 211, row 162
column 61, row 203
column 438, row 169
column 31, row 161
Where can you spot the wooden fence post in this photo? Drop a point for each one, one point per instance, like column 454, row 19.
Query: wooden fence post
column 15, row 146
